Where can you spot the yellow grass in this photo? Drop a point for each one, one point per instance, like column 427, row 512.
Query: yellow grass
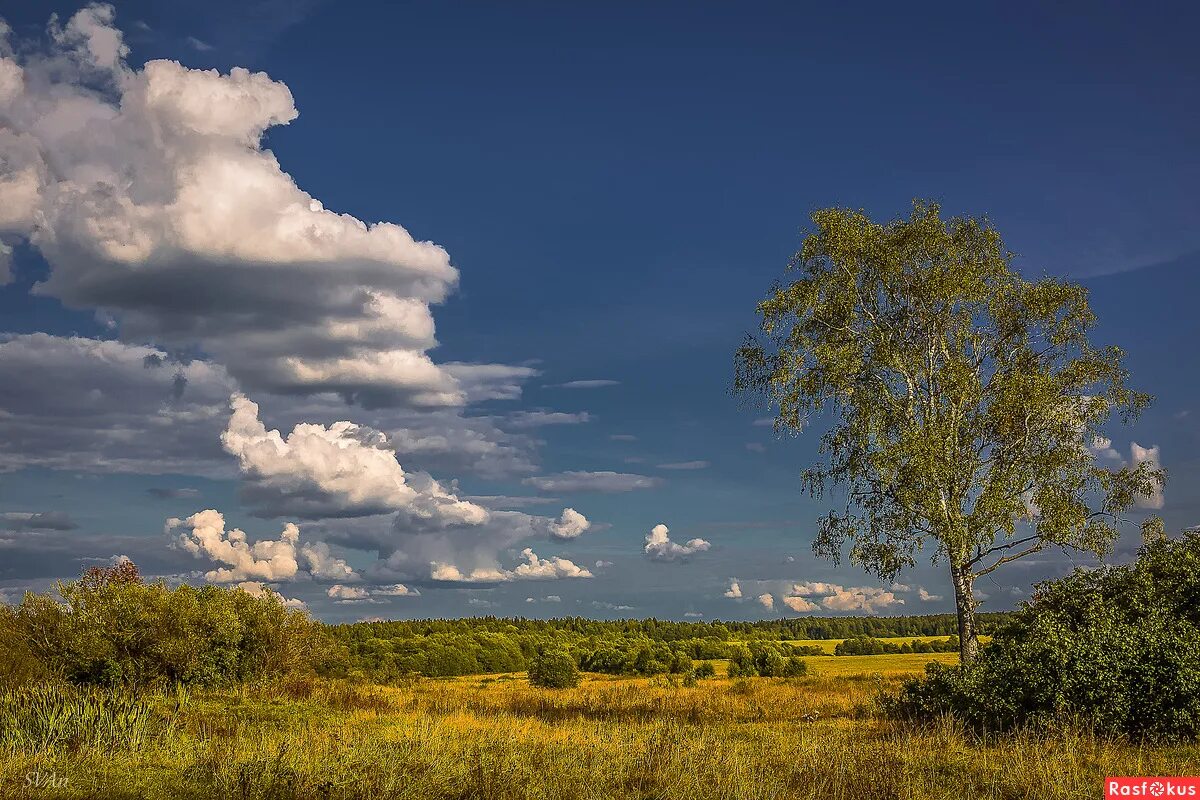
column 636, row 739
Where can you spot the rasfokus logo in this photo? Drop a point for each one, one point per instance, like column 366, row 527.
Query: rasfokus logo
column 1152, row 787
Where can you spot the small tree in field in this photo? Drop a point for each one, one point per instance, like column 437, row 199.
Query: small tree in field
column 966, row 399
column 553, row 669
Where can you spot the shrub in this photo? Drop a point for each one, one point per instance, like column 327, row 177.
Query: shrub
column 795, row 667
column 553, row 669
column 741, row 662
column 113, row 629
column 705, row 669
column 1116, row 648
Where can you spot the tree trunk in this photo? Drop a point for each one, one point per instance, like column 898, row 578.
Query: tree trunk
column 964, row 602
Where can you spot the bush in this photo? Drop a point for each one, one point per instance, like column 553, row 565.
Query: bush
column 553, row 669
column 795, row 667
column 113, row 629
column 705, row 669
column 1117, row 649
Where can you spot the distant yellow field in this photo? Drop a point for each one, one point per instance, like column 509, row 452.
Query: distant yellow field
column 891, row 666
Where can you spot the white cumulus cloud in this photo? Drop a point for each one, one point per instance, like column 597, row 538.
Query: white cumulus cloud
column 149, row 192
column 659, row 546
column 203, row 535
column 340, row 470
column 570, row 525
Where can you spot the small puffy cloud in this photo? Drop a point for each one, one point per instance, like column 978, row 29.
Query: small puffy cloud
column 324, row 565
column 203, row 535
column 395, row 590
column 864, row 598
column 570, row 525
column 581, row 481
column 901, row 587
column 834, row 597
column 553, row 568
column 622, row 437
column 610, row 606
column 258, row 589
column 766, row 601
column 685, row 465
column 36, row 521
column 659, row 546
column 1101, row 447
column 693, row 614
column 734, row 590
column 348, row 594
column 926, row 597
column 586, row 384
column 601, row 564
column 800, row 604
column 451, row 573
column 535, row 568
column 756, row 447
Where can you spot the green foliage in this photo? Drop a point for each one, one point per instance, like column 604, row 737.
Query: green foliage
column 111, row 628
column 795, row 667
column 963, row 396
column 553, row 669
column 1117, row 648
column 704, row 669
column 870, row 646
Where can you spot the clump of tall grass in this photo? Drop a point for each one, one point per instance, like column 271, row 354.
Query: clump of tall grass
column 51, row 715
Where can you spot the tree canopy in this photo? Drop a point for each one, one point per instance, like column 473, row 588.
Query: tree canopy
column 965, row 399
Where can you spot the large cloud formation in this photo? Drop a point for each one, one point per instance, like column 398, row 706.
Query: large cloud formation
column 151, row 196
column 341, row 470
column 204, row 535
column 148, row 192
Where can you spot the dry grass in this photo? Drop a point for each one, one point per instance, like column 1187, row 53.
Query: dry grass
column 497, row 737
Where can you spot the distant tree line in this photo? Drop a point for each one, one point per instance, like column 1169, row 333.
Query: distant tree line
column 669, row 631
column 112, row 628
column 870, row 646
column 390, row 651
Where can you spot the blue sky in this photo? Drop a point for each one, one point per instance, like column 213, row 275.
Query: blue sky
column 616, row 185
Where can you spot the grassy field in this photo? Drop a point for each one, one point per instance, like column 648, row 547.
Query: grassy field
column 498, row 737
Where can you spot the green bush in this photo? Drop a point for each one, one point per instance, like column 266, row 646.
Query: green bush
column 553, row 669
column 795, row 667
column 111, row 628
column 1116, row 649
column 705, row 669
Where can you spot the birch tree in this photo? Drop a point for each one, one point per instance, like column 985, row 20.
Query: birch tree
column 965, row 400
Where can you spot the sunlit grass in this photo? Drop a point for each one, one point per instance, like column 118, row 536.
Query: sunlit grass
column 499, row 737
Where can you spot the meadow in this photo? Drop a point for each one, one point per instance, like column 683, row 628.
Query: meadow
column 495, row 736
